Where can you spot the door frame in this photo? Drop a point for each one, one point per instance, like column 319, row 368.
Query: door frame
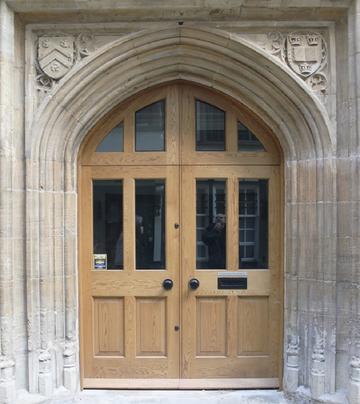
column 183, row 383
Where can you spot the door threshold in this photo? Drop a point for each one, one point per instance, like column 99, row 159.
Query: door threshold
column 181, row 384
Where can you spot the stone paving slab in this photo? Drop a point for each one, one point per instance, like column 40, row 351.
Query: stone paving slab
column 173, row 397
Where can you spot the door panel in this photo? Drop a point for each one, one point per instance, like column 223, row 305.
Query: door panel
column 226, row 332
column 130, row 319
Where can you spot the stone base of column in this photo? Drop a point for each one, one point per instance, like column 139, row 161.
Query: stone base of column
column 45, row 384
column 45, row 380
column 291, row 379
column 354, row 392
column 7, row 392
column 71, row 380
column 354, row 385
column 317, row 385
column 7, row 381
column 71, row 373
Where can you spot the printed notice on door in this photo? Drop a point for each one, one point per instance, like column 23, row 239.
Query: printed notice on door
column 100, row 261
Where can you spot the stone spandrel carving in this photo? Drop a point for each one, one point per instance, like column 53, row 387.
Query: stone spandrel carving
column 304, row 52
column 85, row 45
column 56, row 56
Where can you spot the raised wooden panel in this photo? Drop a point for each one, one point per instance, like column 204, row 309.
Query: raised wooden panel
column 253, row 325
column 211, row 315
column 151, row 326
column 108, row 326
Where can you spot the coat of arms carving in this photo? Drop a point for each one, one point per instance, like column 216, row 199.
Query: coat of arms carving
column 56, row 55
column 305, row 52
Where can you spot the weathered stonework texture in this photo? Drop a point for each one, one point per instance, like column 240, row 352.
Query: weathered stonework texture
column 64, row 65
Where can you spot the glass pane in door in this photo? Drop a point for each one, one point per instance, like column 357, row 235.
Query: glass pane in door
column 210, row 127
column 150, row 224
column 253, row 223
column 211, row 224
column 247, row 141
column 150, row 128
column 108, row 221
column 113, row 141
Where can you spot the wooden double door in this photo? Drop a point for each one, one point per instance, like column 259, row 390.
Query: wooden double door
column 179, row 252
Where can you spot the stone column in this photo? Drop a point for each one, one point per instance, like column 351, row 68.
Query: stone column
column 7, row 363
column 352, row 294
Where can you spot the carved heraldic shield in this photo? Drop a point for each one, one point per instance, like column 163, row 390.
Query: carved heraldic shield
column 305, row 52
column 56, row 55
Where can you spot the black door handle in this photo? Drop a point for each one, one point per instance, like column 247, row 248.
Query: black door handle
column 194, row 283
column 168, row 284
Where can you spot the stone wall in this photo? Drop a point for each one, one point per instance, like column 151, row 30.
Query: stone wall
column 241, row 48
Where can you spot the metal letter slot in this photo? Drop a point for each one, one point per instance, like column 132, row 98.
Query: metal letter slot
column 232, row 280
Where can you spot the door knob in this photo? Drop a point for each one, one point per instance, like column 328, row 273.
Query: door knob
column 168, row 284
column 194, row 283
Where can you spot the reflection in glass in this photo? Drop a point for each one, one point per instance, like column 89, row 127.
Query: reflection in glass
column 211, row 224
column 108, row 221
column 253, row 223
column 150, row 127
column 210, row 127
column 113, row 141
column 247, row 141
column 150, row 224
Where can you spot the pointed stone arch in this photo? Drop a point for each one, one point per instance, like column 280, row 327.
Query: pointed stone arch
column 230, row 65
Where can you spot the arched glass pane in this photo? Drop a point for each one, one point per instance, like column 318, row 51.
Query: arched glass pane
column 210, row 127
column 113, row 141
column 247, row 141
column 150, row 127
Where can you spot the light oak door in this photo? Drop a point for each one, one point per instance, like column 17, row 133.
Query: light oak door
column 131, row 318
column 231, row 295
column 180, row 245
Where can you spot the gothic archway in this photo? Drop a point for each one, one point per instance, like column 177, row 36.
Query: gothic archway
column 218, row 60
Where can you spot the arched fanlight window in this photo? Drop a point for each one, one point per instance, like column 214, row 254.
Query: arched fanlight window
column 247, row 141
column 150, row 127
column 113, row 141
column 210, row 127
